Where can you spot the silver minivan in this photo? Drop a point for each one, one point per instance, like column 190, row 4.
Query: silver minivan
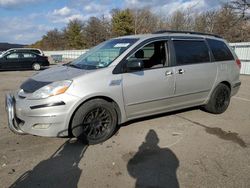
column 126, row 78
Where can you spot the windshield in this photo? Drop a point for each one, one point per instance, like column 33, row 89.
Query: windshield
column 5, row 53
column 104, row 54
column 2, row 53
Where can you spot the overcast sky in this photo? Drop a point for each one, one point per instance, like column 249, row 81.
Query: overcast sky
column 25, row 21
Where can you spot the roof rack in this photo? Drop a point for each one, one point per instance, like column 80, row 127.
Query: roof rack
column 186, row 32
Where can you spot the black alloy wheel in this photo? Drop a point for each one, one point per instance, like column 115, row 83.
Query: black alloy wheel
column 222, row 99
column 97, row 123
column 219, row 100
column 94, row 121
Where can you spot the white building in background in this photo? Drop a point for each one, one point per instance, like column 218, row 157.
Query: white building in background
column 242, row 50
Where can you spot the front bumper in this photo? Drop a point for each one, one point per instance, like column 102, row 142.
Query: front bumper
column 235, row 88
column 13, row 122
column 49, row 117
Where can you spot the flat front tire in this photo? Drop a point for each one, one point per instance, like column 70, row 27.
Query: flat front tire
column 219, row 100
column 94, row 121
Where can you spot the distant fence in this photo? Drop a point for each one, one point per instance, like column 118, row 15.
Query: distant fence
column 242, row 50
column 66, row 54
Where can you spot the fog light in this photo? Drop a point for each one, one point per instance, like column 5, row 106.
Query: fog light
column 41, row 126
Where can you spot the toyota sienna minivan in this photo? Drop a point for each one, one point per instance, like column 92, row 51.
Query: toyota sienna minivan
column 126, row 78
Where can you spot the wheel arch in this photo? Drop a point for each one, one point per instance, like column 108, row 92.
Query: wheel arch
column 210, row 104
column 226, row 83
column 108, row 99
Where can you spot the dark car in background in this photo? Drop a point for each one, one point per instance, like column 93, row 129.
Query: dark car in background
column 22, row 60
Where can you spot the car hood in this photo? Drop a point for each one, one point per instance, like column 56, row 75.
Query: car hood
column 52, row 75
column 60, row 73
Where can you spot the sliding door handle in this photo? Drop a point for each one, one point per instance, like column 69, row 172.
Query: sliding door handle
column 181, row 71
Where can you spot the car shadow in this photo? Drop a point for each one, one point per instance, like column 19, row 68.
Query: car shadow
column 153, row 166
column 151, row 117
column 60, row 170
column 216, row 131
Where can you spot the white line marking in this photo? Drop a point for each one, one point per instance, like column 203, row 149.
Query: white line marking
column 240, row 98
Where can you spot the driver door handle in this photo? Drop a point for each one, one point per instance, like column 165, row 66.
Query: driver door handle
column 169, row 73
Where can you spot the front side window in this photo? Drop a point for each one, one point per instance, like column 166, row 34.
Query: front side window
column 104, row 54
column 12, row 56
column 153, row 55
column 190, row 52
column 220, row 50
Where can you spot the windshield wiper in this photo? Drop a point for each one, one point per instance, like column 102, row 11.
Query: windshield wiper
column 72, row 65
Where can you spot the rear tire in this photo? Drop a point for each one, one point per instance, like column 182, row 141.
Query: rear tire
column 36, row 66
column 219, row 100
column 94, row 121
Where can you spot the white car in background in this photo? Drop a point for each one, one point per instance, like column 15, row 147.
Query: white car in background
column 34, row 50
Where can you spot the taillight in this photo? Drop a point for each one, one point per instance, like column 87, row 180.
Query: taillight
column 238, row 63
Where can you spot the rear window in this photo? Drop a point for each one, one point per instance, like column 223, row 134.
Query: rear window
column 35, row 51
column 220, row 50
column 190, row 52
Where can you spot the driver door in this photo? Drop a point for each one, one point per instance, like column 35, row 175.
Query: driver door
column 149, row 91
column 11, row 61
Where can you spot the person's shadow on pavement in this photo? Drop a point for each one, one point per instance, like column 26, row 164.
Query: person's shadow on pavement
column 153, row 166
column 60, row 170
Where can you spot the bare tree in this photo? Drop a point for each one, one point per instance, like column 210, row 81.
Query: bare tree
column 177, row 20
column 182, row 20
column 144, row 21
column 96, row 30
column 53, row 40
column 228, row 25
column 242, row 7
column 210, row 20
column 200, row 23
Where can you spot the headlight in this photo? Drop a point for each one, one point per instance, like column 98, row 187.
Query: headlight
column 55, row 88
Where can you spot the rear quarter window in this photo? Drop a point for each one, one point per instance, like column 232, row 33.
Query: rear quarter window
column 220, row 50
column 35, row 51
column 29, row 55
column 190, row 52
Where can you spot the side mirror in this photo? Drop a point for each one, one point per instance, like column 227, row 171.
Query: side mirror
column 134, row 65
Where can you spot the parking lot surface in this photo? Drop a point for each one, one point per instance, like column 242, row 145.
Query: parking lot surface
column 189, row 148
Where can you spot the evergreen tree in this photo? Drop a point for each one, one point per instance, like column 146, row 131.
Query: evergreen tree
column 74, row 34
column 122, row 22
